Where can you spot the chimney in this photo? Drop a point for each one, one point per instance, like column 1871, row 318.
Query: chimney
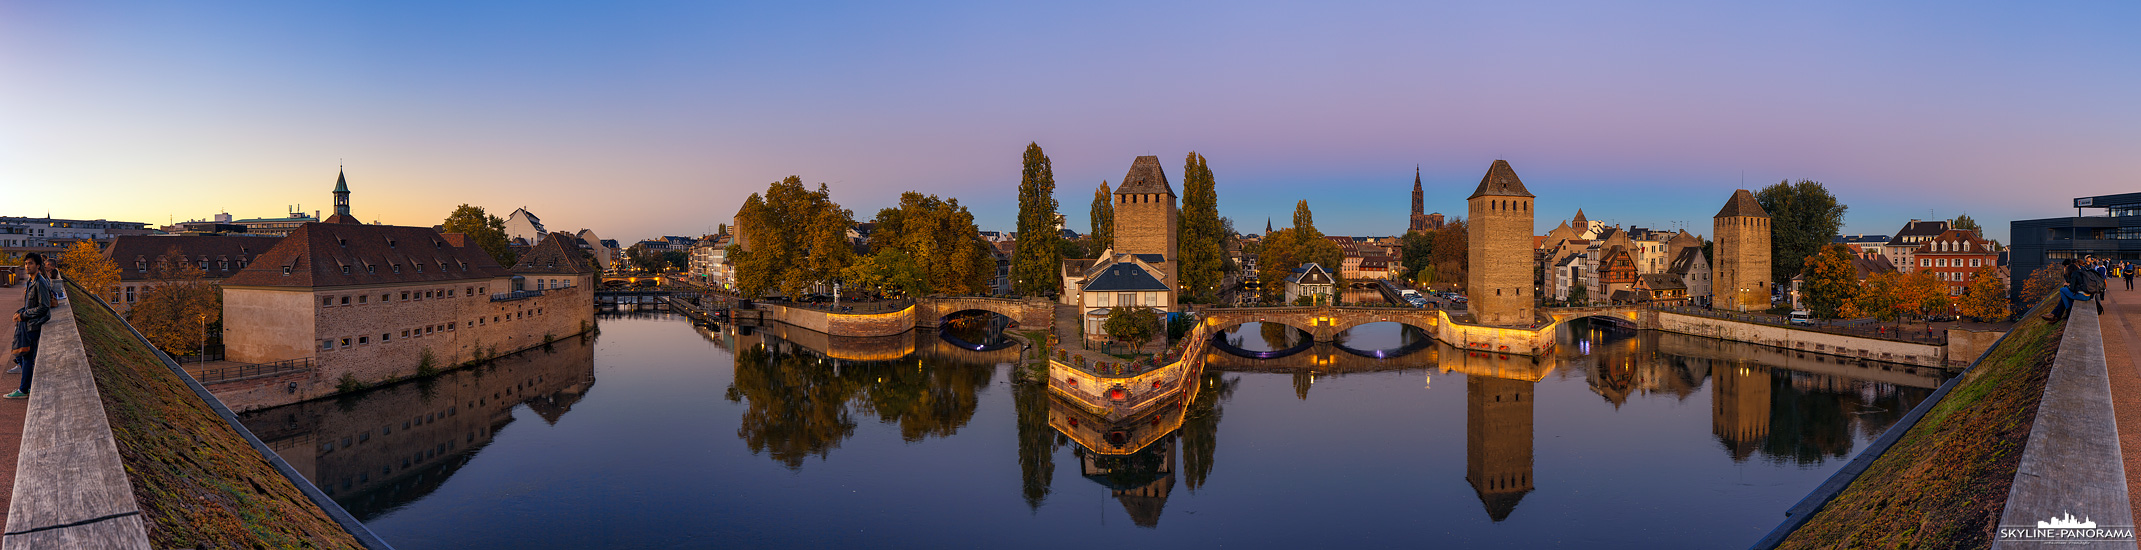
column 456, row 239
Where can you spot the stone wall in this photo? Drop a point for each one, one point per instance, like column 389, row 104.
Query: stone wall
column 1741, row 274
column 844, row 324
column 1499, row 280
column 1875, row 349
column 1146, row 223
column 1965, row 346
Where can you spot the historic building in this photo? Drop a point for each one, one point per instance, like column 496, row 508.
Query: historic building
column 1421, row 220
column 1955, row 256
column 375, row 302
column 523, row 228
column 1498, row 444
column 1742, row 264
column 1147, row 220
column 1694, row 271
column 143, row 258
column 1309, row 281
column 1901, row 248
column 1500, row 279
column 1740, row 406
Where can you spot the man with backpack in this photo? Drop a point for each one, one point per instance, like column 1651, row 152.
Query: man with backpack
column 2083, row 283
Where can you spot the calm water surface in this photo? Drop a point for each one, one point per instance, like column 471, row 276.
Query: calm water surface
column 660, row 434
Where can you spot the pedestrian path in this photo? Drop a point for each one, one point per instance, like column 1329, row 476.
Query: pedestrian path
column 2121, row 324
column 12, row 411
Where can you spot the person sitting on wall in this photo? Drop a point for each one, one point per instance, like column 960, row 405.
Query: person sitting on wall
column 2078, row 287
column 37, row 297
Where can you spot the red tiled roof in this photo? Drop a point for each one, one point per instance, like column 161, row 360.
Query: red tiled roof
column 330, row 255
column 224, row 253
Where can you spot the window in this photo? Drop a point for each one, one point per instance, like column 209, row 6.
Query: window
column 286, row 270
column 383, row 337
column 397, row 268
column 405, row 333
column 130, row 294
column 327, row 344
column 405, row 295
column 345, row 300
column 345, row 342
column 327, row 301
column 1101, row 300
column 1126, row 299
column 1151, row 299
column 371, row 269
column 1923, row 262
column 364, row 339
column 362, row 298
column 345, row 270
column 1977, row 262
column 141, row 266
column 384, row 298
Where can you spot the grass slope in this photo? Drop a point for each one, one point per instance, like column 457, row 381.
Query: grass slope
column 1944, row 483
column 200, row 484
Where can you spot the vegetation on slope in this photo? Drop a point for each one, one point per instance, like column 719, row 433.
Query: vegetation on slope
column 200, row 484
column 1944, row 483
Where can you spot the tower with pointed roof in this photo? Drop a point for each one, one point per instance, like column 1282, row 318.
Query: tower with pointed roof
column 1499, row 279
column 1498, row 441
column 342, row 200
column 1741, row 268
column 1421, row 220
column 1147, row 218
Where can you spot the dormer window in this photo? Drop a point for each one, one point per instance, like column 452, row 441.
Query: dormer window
column 345, row 270
column 373, row 269
column 286, row 271
column 419, row 268
column 390, row 242
column 397, row 268
column 342, row 241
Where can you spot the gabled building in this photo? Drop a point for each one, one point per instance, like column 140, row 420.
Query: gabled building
column 1955, row 256
column 1901, row 247
column 1122, row 280
column 523, row 228
column 143, row 258
column 1694, row 271
column 1309, row 281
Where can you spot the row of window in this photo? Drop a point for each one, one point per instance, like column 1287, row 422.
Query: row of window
column 1943, row 262
column 1112, row 299
column 330, row 344
column 348, row 441
column 396, row 268
column 406, row 295
column 226, row 265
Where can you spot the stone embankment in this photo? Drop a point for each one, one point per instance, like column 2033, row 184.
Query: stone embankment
column 121, row 449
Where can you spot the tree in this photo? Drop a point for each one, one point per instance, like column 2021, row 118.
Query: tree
column 84, row 264
column 1202, row 246
column 1579, row 295
column 938, row 240
column 1966, row 223
column 1103, row 214
column 178, row 306
column 1134, row 326
column 676, row 259
column 1452, row 258
column 2042, row 283
column 790, row 239
column 1037, row 265
column 487, row 231
column 1830, row 281
column 1878, row 298
column 1803, row 218
column 1920, row 294
column 1986, row 297
column 1416, row 251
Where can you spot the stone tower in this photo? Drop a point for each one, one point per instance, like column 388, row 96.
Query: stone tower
column 1498, row 422
column 1741, row 269
column 1499, row 281
column 1146, row 217
column 341, row 201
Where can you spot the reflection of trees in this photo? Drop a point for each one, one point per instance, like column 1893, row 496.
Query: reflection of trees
column 1276, row 336
column 797, row 408
column 1200, row 428
column 1814, row 417
column 800, row 403
column 1037, row 442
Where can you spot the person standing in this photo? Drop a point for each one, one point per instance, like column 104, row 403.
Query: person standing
column 2127, row 272
column 30, row 320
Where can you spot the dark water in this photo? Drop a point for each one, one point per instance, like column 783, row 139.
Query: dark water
column 659, row 434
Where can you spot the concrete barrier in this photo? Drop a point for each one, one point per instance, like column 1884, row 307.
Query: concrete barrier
column 2072, row 464
column 71, row 490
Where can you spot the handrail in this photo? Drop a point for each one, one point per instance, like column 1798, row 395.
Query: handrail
column 255, row 370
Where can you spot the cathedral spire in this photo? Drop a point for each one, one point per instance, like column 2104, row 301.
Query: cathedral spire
column 1419, row 205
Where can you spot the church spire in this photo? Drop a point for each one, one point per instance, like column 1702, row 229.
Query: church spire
column 341, row 199
column 1419, row 205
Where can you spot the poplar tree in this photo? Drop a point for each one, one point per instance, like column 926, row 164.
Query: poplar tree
column 1103, row 218
column 1202, row 246
column 1036, row 264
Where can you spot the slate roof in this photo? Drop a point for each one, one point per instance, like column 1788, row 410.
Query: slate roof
column 317, row 253
column 1145, row 177
column 1742, row 203
column 1684, row 262
column 1124, row 276
column 1074, row 268
column 1151, row 258
column 1500, row 181
column 1662, row 281
column 1310, row 274
column 222, row 252
column 558, row 253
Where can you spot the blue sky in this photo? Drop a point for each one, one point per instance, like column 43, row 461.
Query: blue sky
column 659, row 118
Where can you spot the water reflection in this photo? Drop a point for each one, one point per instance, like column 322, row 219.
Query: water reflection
column 376, row 450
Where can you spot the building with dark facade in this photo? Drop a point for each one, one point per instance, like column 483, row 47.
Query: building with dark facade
column 2107, row 226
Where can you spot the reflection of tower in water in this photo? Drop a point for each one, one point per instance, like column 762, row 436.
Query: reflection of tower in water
column 1498, row 427
column 1739, row 407
column 1140, row 480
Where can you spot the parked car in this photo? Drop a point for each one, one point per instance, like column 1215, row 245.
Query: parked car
column 1801, row 317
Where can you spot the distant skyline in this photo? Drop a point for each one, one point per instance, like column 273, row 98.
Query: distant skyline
column 647, row 119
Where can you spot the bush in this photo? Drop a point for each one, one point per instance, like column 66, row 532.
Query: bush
column 426, row 366
column 349, row 383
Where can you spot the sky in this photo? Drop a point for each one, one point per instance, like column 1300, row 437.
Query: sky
column 643, row 119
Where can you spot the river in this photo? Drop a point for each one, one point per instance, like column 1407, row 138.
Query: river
column 657, row 433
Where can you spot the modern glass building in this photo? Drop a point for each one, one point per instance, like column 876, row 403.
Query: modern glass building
column 2108, row 226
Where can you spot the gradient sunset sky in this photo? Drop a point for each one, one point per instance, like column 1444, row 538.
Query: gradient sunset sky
column 641, row 119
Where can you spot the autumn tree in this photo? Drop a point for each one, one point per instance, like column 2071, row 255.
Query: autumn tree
column 790, row 239
column 1803, row 218
column 1037, row 264
column 1966, row 223
column 1288, row 248
column 1452, row 258
column 85, row 265
column 1986, row 298
column 487, row 231
column 1132, row 325
column 178, row 306
column 2042, row 283
column 926, row 245
column 1202, row 245
column 1103, row 214
column 1877, row 298
column 1920, row 294
column 1831, row 281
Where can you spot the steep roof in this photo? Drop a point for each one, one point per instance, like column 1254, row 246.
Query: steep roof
column 1918, row 228
column 1500, row 181
column 1124, row 276
column 1579, row 220
column 1145, row 177
column 1742, row 204
column 223, row 253
column 1688, row 259
column 558, row 253
column 1662, row 281
column 318, row 253
column 341, row 182
column 1310, row 274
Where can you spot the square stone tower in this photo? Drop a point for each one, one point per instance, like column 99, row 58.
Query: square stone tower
column 1499, row 281
column 1741, row 272
column 1146, row 217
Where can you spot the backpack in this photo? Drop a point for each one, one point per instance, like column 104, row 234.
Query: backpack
column 2092, row 282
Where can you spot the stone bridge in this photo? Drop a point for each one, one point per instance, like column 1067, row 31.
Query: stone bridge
column 1323, row 322
column 1030, row 313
